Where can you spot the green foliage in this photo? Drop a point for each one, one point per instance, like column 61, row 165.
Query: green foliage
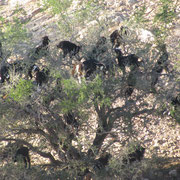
column 60, row 8
column 175, row 113
column 163, row 18
column 68, row 19
column 70, row 90
column 19, row 11
column 88, row 12
column 177, row 66
column 139, row 16
column 22, row 90
column 100, row 96
column 13, row 31
column 57, row 7
column 166, row 12
column 76, row 96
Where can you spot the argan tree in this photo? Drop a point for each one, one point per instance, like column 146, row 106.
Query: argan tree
column 71, row 125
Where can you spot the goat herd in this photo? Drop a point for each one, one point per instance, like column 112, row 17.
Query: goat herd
column 83, row 69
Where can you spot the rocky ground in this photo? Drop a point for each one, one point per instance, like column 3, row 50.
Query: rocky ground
column 162, row 135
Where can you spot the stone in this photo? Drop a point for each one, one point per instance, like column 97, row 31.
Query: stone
column 132, row 1
column 145, row 35
column 119, row 19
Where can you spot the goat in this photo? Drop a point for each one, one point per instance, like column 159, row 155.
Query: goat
column 91, row 65
column 78, row 71
column 87, row 68
column 71, row 120
column 69, row 48
column 116, row 39
column 164, row 57
column 88, row 175
column 175, row 101
column 32, row 68
column 155, row 73
column 159, row 66
column 129, row 91
column 4, row 73
column 16, row 66
column 41, row 50
column 98, row 165
column 122, row 61
column 138, row 154
column 131, row 82
column 1, row 53
column 103, row 161
column 23, row 152
column 41, row 76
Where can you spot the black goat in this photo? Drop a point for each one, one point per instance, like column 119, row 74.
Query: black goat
column 159, row 66
column 155, row 73
column 33, row 68
column 131, row 82
column 164, row 57
column 138, row 154
column 41, row 50
column 98, row 165
column 4, row 73
column 91, row 65
column 40, row 76
column 103, row 161
column 71, row 120
column 175, row 101
column 1, row 53
column 23, row 152
column 129, row 90
column 116, row 39
column 131, row 59
column 69, row 48
column 16, row 66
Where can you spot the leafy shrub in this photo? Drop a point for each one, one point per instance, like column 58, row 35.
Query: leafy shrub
column 22, row 90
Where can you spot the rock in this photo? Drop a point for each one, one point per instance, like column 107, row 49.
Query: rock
column 145, row 35
column 177, row 30
column 119, row 19
column 132, row 1
column 110, row 2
